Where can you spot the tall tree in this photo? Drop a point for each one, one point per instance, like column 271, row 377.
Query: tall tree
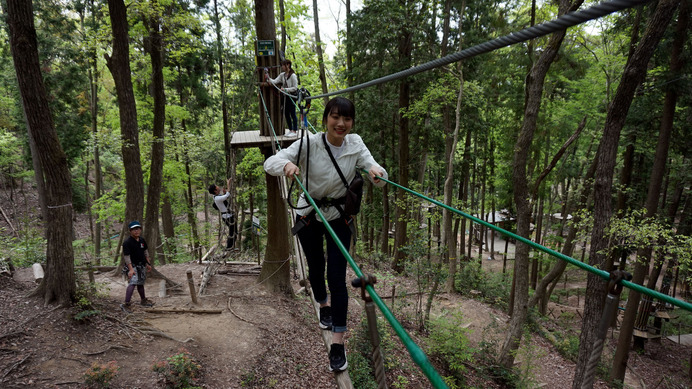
column 119, row 65
column 532, row 103
column 94, row 105
column 404, row 49
column 227, row 136
column 451, row 138
column 318, row 50
column 275, row 271
column 153, row 44
column 632, row 76
column 59, row 281
column 641, row 266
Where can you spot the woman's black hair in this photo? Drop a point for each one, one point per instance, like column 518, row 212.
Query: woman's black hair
column 340, row 105
column 212, row 189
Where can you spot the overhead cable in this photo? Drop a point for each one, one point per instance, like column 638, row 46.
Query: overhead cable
column 563, row 22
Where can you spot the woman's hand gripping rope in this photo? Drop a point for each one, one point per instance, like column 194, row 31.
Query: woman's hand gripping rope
column 375, row 174
column 290, row 170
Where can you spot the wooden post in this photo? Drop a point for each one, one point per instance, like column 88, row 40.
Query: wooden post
column 191, row 284
column 162, row 288
column 90, row 270
column 377, row 357
column 38, row 272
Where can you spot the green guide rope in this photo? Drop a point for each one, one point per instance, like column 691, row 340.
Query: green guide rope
column 416, row 352
column 602, row 273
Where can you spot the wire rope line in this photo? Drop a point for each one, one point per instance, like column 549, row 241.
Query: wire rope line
column 563, row 22
column 414, row 350
column 601, row 273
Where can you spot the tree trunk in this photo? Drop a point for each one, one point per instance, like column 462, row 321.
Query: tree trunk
column 534, row 89
column 542, row 294
column 349, row 51
column 189, row 197
column 637, row 64
column 59, row 281
column 119, row 65
column 275, row 273
column 318, row 50
column 449, row 240
column 154, row 45
column 282, row 17
column 463, row 192
column 93, row 106
column 168, row 228
column 405, row 47
column 384, row 247
column 227, row 135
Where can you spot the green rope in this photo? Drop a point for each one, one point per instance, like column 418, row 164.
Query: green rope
column 603, row 274
column 416, row 352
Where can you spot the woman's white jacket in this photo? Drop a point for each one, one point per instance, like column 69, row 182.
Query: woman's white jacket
column 323, row 180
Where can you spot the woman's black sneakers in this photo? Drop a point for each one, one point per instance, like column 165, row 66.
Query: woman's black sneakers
column 326, row 318
column 337, row 357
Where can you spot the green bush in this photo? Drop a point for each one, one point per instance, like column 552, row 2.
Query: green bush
column 100, row 376
column 30, row 248
column 448, row 340
column 85, row 296
column 178, row 371
column 568, row 346
column 493, row 286
column 360, row 364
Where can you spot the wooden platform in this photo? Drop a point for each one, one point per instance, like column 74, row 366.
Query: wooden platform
column 247, row 139
column 645, row 334
column 685, row 339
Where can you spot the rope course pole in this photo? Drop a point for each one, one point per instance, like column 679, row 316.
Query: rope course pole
column 377, row 357
column 563, row 22
column 609, row 312
column 414, row 350
column 601, row 273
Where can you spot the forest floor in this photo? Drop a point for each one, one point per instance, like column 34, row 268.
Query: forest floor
column 251, row 338
column 255, row 339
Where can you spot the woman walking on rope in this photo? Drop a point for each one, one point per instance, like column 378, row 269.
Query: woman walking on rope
column 289, row 81
column 327, row 188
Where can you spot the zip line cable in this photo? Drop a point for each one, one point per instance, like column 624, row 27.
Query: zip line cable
column 563, row 22
column 601, row 273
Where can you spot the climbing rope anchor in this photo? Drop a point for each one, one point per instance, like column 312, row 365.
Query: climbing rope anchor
column 609, row 311
column 377, row 358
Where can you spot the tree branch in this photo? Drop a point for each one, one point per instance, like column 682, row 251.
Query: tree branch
column 557, row 157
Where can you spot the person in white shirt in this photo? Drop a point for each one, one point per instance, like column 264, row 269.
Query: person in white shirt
column 323, row 183
column 288, row 81
column 221, row 204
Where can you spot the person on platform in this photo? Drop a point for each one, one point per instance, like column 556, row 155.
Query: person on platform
column 287, row 81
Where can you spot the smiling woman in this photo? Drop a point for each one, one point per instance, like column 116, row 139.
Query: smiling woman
column 330, row 160
column 339, row 117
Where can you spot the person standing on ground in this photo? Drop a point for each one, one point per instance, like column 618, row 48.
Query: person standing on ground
column 221, row 203
column 289, row 85
column 327, row 189
column 137, row 260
